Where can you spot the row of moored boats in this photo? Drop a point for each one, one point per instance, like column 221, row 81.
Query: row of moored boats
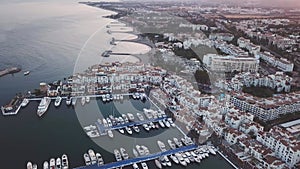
column 112, row 121
column 58, row 163
column 45, row 102
column 182, row 158
column 92, row 158
column 111, row 97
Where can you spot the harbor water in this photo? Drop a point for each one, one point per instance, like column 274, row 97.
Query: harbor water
column 28, row 137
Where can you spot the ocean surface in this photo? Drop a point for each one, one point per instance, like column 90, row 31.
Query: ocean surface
column 54, row 39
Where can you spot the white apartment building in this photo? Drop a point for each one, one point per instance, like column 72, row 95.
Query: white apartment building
column 220, row 63
column 284, row 145
column 266, row 108
column 221, row 36
column 232, row 136
column 282, row 63
column 246, row 43
column 278, row 81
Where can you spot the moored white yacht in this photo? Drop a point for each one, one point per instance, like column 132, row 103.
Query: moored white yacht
column 46, row 165
column 177, row 142
column 34, row 166
column 57, row 101
column 121, row 120
column 58, row 163
column 143, row 96
column 140, row 116
column 167, row 123
column 148, row 113
column 125, row 118
column 181, row 159
column 93, row 133
column 171, row 144
column 133, row 96
column 87, row 159
column 82, row 100
column 128, row 129
column 169, row 164
column 105, row 122
column 146, row 150
column 196, row 157
column 90, row 127
column 146, row 127
column 161, row 145
column 24, row 102
column 174, row 158
column 99, row 159
column 74, row 100
column 162, row 161
column 156, row 126
column 43, row 106
column 186, row 158
column 117, row 155
column 185, row 141
column 109, row 123
column 87, row 99
column 158, row 164
column 121, row 130
column 135, row 166
column 68, row 100
column 135, row 153
column 152, row 125
column 211, row 150
column 171, row 122
column 189, row 141
column 110, row 134
column 92, row 156
column 104, row 98
column 124, row 153
column 140, row 150
column 136, row 129
column 191, row 158
column 52, row 163
column 137, row 95
column 130, row 116
column 144, row 165
column 29, row 165
column 161, row 123
column 65, row 162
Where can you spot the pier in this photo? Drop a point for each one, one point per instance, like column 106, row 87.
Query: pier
column 10, row 112
column 109, row 52
column 140, row 159
column 15, row 108
column 78, row 97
